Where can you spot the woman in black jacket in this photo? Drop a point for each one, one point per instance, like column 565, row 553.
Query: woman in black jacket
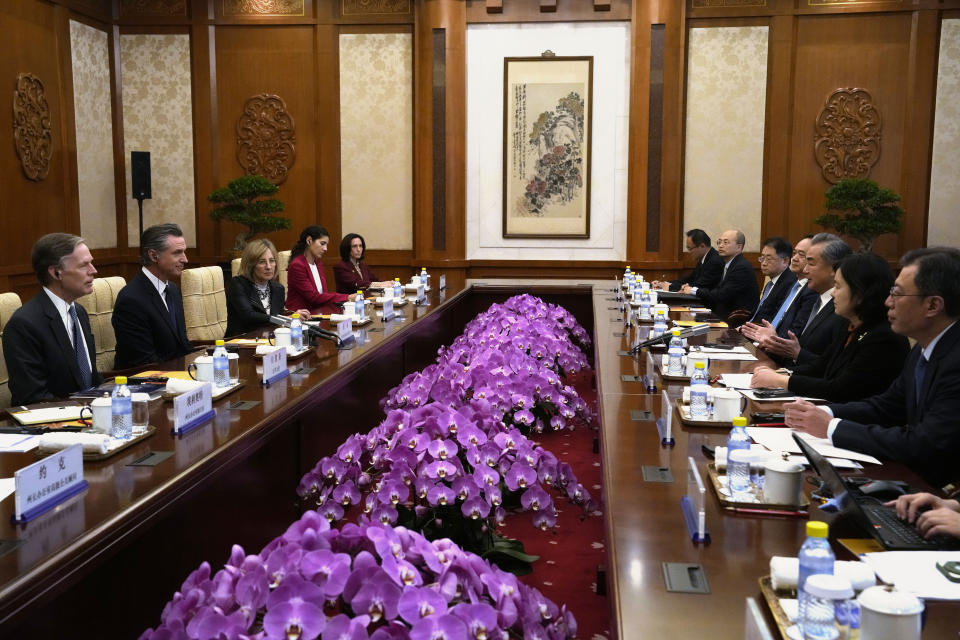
column 254, row 294
column 865, row 359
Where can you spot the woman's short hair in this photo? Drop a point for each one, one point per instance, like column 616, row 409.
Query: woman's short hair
column 869, row 278
column 345, row 246
column 251, row 255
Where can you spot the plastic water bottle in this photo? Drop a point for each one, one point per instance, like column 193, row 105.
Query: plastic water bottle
column 626, row 273
column 698, row 392
column 296, row 332
column 121, row 410
column 826, row 598
column 397, row 288
column 645, row 305
column 424, row 278
column 659, row 324
column 221, row 366
column 358, row 309
column 738, row 471
column 674, row 353
column 815, row 557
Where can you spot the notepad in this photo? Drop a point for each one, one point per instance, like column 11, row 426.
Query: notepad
column 47, row 414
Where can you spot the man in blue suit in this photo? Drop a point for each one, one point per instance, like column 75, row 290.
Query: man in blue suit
column 148, row 315
column 47, row 343
column 915, row 420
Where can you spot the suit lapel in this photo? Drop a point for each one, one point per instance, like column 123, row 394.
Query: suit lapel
column 159, row 307
column 944, row 346
column 59, row 332
column 825, row 311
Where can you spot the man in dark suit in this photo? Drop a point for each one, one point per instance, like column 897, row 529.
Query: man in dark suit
column 709, row 264
column 820, row 326
column 148, row 315
column 914, row 420
column 774, row 260
column 47, row 343
column 737, row 289
column 796, row 304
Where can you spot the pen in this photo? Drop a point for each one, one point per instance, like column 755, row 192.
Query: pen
column 769, row 512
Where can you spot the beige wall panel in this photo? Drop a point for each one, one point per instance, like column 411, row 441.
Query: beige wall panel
column 726, row 102
column 942, row 227
column 89, row 49
column 158, row 117
column 376, row 138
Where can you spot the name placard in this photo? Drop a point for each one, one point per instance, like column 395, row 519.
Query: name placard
column 443, row 281
column 46, row 483
column 388, row 313
column 193, row 408
column 275, row 364
column 345, row 329
column 420, row 294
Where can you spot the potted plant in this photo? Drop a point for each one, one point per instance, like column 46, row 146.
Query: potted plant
column 243, row 201
column 862, row 210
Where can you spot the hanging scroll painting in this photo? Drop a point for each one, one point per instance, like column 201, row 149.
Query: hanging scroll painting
column 547, row 107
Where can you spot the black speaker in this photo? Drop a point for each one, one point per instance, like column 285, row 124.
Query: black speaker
column 140, row 174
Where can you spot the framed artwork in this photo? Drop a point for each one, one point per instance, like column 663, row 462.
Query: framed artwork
column 547, row 108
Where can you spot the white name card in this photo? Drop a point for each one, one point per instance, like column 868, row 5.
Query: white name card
column 275, row 363
column 45, row 481
column 666, row 414
column 345, row 329
column 190, row 406
column 388, row 312
column 443, row 281
column 420, row 293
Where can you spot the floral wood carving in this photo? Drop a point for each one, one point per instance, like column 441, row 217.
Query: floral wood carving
column 32, row 134
column 153, row 7
column 266, row 137
column 847, row 142
column 263, row 7
column 374, row 7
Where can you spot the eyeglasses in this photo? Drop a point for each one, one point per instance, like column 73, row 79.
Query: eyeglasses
column 762, row 258
column 897, row 293
column 722, row 242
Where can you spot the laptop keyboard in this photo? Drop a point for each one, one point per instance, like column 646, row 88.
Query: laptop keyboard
column 896, row 530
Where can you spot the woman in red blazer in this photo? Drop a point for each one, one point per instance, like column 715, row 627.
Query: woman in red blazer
column 306, row 284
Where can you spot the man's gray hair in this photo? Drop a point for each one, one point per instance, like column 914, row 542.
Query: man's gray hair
column 833, row 250
column 155, row 239
column 50, row 251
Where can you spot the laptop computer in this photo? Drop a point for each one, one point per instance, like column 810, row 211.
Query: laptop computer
column 869, row 512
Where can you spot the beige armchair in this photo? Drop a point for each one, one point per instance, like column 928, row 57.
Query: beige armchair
column 283, row 261
column 9, row 302
column 204, row 303
column 99, row 305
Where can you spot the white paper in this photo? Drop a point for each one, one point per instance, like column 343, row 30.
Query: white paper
column 749, row 394
column 736, row 380
column 712, row 350
column 7, row 487
column 17, row 442
column 45, row 415
column 777, row 439
column 728, row 355
column 916, row 572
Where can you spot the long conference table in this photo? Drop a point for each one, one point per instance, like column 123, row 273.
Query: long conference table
column 103, row 564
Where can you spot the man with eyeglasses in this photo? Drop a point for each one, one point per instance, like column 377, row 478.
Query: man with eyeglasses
column 709, row 267
column 795, row 308
column 774, row 260
column 915, row 420
column 737, row 289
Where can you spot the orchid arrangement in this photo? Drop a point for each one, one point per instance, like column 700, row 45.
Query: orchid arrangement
column 364, row 581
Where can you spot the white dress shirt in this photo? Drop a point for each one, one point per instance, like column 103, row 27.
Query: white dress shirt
column 160, row 285
column 64, row 310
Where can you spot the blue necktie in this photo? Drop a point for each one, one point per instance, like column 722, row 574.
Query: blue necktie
column 786, row 305
column 82, row 361
column 918, row 375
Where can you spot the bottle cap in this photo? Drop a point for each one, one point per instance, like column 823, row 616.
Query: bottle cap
column 676, row 332
column 219, row 343
column 120, row 380
column 294, row 315
column 396, row 279
column 699, row 365
column 817, row 529
column 738, row 421
column 828, row 586
column 359, row 292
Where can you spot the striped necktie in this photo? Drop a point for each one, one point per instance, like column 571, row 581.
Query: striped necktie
column 83, row 362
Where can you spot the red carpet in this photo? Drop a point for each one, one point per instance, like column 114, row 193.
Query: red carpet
column 569, row 555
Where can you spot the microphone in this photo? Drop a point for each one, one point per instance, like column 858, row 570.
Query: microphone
column 311, row 330
column 696, row 330
column 280, row 320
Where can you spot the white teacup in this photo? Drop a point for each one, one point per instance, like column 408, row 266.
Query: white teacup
column 653, row 298
column 726, row 404
column 201, row 369
column 782, row 482
column 693, row 359
column 890, row 614
column 102, row 418
column 282, row 337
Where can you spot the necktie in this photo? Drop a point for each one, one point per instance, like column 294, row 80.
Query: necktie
column 918, row 375
column 166, row 298
column 813, row 314
column 82, row 361
column 766, row 292
column 777, row 319
column 725, row 267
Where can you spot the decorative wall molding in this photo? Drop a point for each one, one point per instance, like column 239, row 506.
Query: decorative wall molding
column 263, row 7
column 847, row 142
column 720, row 4
column 266, row 137
column 834, row 3
column 130, row 8
column 374, row 7
column 32, row 135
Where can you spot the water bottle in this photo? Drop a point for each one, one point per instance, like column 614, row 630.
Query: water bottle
column 296, row 332
column 659, row 324
column 698, row 392
column 626, row 273
column 121, row 410
column 674, row 353
column 358, row 309
column 645, row 305
column 738, row 470
column 221, row 366
column 825, row 597
column 424, row 278
column 397, row 288
column 815, row 557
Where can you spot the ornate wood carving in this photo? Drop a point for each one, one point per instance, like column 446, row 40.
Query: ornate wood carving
column 32, row 134
column 263, row 7
column 373, row 7
column 266, row 137
column 717, row 4
column 847, row 142
column 153, row 8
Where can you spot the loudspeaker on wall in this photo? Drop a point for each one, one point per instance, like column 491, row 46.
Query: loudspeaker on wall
column 140, row 175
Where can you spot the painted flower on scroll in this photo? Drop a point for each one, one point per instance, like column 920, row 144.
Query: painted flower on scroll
column 557, row 136
column 365, row 581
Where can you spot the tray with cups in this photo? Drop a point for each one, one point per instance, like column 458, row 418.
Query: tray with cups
column 397, row 302
column 198, row 371
column 783, row 497
column 726, row 405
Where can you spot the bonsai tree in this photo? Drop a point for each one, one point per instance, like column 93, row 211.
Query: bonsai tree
column 863, row 211
column 239, row 203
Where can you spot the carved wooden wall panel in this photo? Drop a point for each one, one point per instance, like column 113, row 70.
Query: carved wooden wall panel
column 374, row 7
column 131, row 8
column 847, row 141
column 32, row 135
column 266, row 137
column 263, row 7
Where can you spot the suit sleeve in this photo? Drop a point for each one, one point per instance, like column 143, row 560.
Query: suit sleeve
column 26, row 365
column 710, row 274
column 133, row 331
column 837, row 326
column 731, row 291
column 300, row 281
column 873, row 361
column 241, row 311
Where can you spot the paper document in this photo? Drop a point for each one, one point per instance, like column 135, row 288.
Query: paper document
column 17, row 442
column 715, row 350
column 7, row 487
column 780, row 440
column 916, row 572
column 729, row 355
column 736, row 380
column 750, row 394
column 47, row 414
